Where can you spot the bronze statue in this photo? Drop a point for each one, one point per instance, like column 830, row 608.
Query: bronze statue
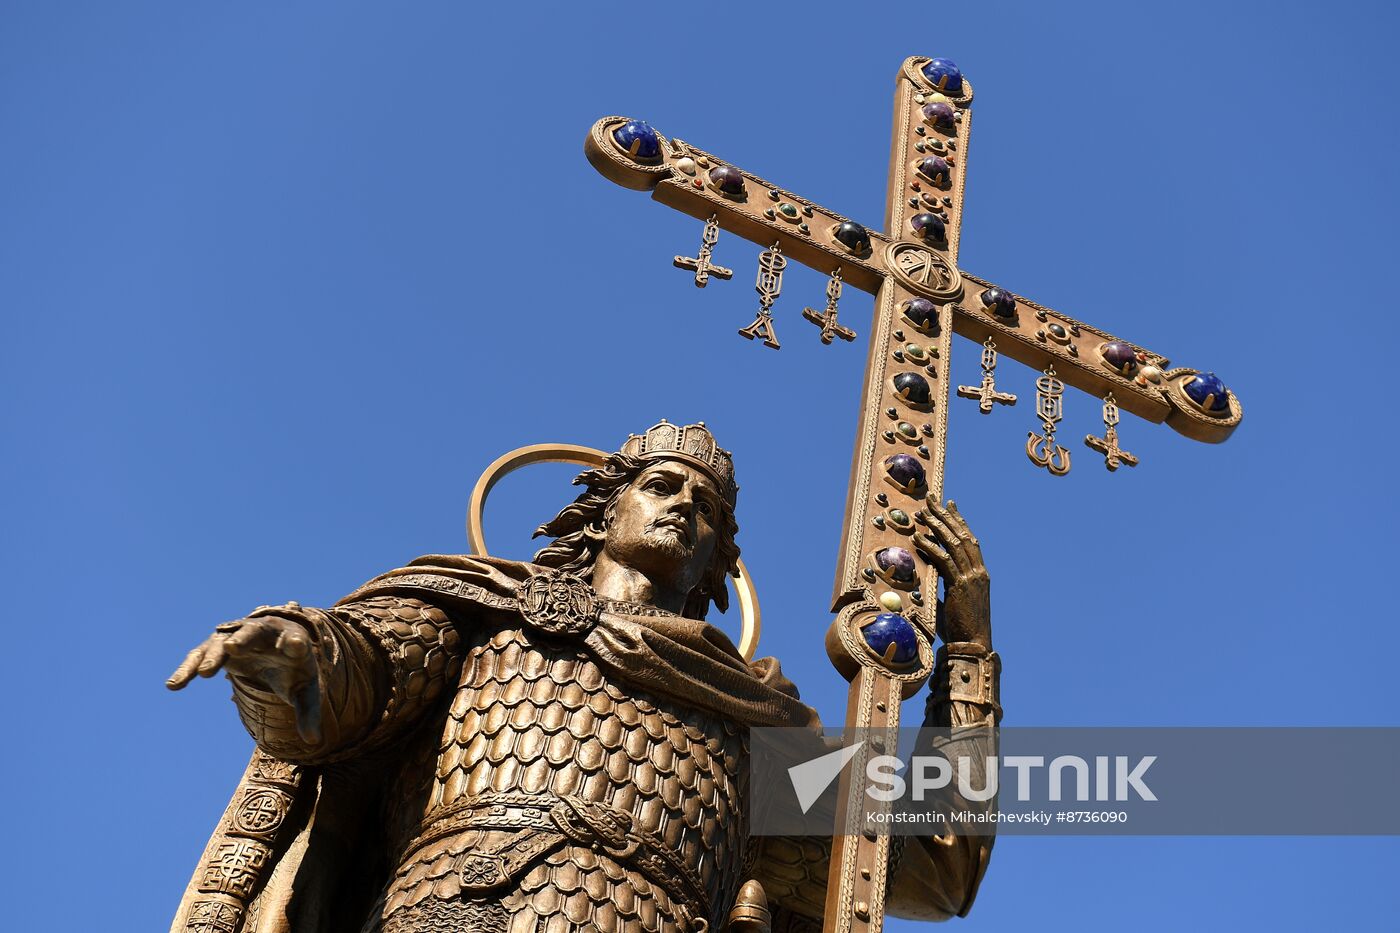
column 477, row 744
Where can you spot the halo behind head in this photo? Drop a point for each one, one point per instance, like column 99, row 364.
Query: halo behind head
column 592, row 457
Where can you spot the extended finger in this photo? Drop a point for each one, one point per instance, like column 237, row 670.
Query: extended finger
column 961, row 523
column 942, row 527
column 213, row 656
column 935, row 553
column 185, row 672
column 969, row 552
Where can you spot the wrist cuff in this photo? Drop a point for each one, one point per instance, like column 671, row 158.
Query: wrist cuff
column 967, row 672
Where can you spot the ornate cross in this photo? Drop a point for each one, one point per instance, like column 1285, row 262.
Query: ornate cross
column 701, row 264
column 921, row 298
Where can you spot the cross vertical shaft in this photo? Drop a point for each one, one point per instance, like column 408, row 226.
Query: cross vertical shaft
column 912, row 324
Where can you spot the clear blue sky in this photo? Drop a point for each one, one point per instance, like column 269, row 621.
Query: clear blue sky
column 279, row 280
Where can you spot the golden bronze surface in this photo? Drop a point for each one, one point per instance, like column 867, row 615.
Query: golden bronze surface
column 469, row 743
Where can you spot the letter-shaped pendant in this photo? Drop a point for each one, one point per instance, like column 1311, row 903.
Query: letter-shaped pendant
column 771, row 263
column 1041, row 448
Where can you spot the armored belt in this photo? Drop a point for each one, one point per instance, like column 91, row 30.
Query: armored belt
column 531, row 826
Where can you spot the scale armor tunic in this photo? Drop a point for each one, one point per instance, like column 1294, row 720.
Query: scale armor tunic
column 533, row 723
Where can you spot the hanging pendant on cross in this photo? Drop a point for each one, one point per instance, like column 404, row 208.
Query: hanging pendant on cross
column 701, row 264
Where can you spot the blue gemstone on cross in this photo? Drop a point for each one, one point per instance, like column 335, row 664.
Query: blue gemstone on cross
column 1206, row 390
column 892, row 637
column 638, row 139
column 943, row 74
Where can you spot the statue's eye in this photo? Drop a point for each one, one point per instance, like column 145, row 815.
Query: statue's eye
column 704, row 508
column 659, row 485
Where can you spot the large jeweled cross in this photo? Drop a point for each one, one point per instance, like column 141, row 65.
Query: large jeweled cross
column 921, row 298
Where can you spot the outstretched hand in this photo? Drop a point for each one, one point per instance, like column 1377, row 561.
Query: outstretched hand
column 954, row 551
column 273, row 652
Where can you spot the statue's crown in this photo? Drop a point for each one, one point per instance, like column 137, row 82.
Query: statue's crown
column 692, row 444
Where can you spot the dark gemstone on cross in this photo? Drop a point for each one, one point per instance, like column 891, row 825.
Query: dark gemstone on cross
column 922, row 312
column 907, row 472
column 1058, row 330
column 728, row 179
column 928, row 226
column 898, row 517
column 943, row 74
column 1119, row 355
column 638, row 139
column 897, row 562
column 912, row 388
column 935, row 169
column 998, row 301
column 939, row 114
column 907, row 429
column 892, row 637
column 1206, row 390
column 788, row 210
column 853, row 236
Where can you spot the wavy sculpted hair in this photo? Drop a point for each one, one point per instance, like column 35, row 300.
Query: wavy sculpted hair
column 580, row 528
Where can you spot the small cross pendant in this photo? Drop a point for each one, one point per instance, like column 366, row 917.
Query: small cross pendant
column 1113, row 455
column 703, row 268
column 987, row 394
column 826, row 320
column 701, row 263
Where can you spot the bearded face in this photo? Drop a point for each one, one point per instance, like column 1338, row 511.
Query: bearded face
column 663, row 524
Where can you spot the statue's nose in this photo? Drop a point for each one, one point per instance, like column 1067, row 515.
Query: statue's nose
column 684, row 501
